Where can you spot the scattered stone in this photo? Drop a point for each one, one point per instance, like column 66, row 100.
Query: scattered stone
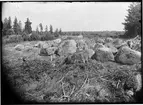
column 19, row 47
column 126, row 55
column 67, row 47
column 98, row 45
column 90, row 52
column 99, row 40
column 108, row 40
column 43, row 52
column 138, row 79
column 112, row 48
column 117, row 43
column 57, row 40
column 103, row 54
column 39, row 44
column 81, row 45
column 27, row 48
column 51, row 50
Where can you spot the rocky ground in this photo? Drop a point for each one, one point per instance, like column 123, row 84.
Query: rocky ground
column 75, row 69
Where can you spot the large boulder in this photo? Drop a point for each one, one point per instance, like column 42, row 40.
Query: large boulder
column 109, row 39
column 81, row 44
column 28, row 48
column 112, row 48
column 80, row 37
column 47, row 51
column 40, row 44
column 57, row 41
column 90, row 52
column 51, row 50
column 117, row 43
column 100, row 40
column 67, row 47
column 78, row 57
column 126, row 55
column 19, row 47
column 103, row 54
column 98, row 45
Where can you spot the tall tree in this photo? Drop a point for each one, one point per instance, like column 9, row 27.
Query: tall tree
column 51, row 29
column 5, row 24
column 56, row 32
column 9, row 23
column 60, row 31
column 132, row 24
column 46, row 29
column 28, row 28
column 15, row 26
column 19, row 27
column 41, row 27
column 37, row 30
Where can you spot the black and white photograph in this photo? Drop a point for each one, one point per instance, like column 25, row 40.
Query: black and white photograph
column 71, row 52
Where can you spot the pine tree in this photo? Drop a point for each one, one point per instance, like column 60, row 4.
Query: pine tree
column 15, row 26
column 56, row 33
column 19, row 27
column 46, row 29
column 60, row 31
column 37, row 30
column 9, row 23
column 51, row 29
column 5, row 24
column 28, row 28
column 41, row 27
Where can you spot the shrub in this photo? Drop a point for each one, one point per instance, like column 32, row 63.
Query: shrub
column 25, row 36
column 34, row 36
column 13, row 38
column 47, row 36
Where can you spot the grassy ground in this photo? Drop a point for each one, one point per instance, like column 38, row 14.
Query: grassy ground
column 37, row 80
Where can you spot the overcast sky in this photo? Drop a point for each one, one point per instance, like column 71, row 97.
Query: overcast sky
column 77, row 16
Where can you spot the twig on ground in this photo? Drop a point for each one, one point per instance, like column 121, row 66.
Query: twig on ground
column 82, row 85
column 72, row 90
column 118, row 84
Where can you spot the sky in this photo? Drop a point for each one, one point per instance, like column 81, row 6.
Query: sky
column 75, row 16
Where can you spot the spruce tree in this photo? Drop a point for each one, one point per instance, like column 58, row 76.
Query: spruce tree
column 9, row 23
column 19, row 27
column 132, row 22
column 46, row 29
column 51, row 29
column 15, row 26
column 5, row 28
column 28, row 28
column 37, row 30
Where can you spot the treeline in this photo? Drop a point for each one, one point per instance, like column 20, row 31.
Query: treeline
column 15, row 28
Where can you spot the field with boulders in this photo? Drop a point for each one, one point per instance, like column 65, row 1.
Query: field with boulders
column 75, row 69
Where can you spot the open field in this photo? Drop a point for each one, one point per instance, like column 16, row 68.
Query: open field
column 69, row 77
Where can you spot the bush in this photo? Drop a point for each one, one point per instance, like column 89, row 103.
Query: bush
column 34, row 36
column 47, row 36
column 25, row 36
column 10, row 32
column 13, row 38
